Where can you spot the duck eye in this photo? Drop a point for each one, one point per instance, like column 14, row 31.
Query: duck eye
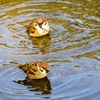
column 35, row 24
column 41, row 69
column 45, row 23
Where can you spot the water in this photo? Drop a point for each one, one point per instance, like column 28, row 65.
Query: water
column 72, row 49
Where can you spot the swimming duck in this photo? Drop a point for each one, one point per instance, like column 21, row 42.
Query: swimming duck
column 38, row 27
column 35, row 70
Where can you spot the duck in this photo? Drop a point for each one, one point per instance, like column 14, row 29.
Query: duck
column 38, row 27
column 35, row 70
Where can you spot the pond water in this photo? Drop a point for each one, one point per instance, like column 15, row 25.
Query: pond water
column 72, row 49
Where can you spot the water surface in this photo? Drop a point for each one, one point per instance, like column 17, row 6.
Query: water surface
column 72, row 49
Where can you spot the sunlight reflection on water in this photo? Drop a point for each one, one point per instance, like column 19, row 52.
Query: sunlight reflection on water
column 72, row 49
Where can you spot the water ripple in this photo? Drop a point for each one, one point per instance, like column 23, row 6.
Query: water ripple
column 72, row 49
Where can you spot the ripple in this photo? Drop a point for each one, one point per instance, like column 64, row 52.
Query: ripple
column 12, row 84
column 71, row 48
column 81, row 85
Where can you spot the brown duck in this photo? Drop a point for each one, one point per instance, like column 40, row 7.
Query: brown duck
column 35, row 70
column 38, row 27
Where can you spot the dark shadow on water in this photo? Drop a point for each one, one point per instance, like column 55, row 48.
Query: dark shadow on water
column 42, row 43
column 38, row 85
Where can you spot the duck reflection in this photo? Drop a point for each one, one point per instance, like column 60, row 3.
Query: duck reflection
column 42, row 85
column 42, row 43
